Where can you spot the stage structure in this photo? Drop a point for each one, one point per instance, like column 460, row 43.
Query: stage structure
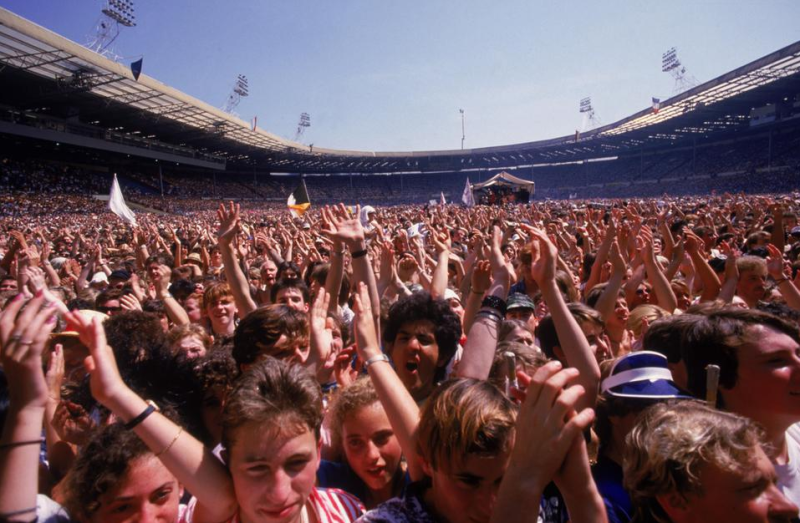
column 672, row 65
column 503, row 188
column 114, row 15
column 240, row 90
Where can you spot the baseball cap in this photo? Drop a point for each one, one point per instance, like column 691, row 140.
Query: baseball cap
column 519, row 301
column 99, row 277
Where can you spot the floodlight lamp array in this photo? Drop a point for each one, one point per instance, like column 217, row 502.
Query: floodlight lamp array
column 586, row 105
column 669, row 60
column 120, row 11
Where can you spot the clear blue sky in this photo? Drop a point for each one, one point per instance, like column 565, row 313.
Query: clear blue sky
column 383, row 76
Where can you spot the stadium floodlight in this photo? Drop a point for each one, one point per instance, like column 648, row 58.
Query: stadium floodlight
column 586, row 105
column 240, row 89
column 302, row 125
column 672, row 65
column 113, row 15
column 463, row 133
column 587, row 110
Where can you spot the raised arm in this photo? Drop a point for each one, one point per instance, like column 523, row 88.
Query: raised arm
column 229, row 225
column 175, row 312
column 570, row 336
column 400, row 407
column 442, row 243
column 23, row 340
column 711, row 283
column 775, row 267
column 661, row 287
column 482, row 338
column 194, row 465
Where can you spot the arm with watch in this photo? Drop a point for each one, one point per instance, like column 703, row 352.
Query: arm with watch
column 400, row 407
column 483, row 333
column 195, row 467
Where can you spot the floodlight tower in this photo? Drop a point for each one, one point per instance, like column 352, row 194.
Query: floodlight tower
column 302, row 125
column 590, row 119
column 672, row 65
column 239, row 91
column 114, row 15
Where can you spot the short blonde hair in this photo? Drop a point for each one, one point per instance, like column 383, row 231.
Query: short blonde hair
column 462, row 417
column 649, row 311
column 348, row 401
column 672, row 442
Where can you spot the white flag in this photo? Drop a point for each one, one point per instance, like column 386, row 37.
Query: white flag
column 117, row 204
column 466, row 197
column 442, row 201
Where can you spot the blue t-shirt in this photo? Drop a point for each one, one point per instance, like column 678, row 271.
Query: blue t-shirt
column 608, row 476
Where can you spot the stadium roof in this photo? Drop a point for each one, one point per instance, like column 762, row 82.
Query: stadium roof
column 46, row 74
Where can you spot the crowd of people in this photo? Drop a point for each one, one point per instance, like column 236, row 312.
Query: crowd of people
column 567, row 360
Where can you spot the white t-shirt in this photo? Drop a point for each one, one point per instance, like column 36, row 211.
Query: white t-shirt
column 789, row 474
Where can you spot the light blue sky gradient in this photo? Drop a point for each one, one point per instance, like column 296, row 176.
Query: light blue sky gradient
column 386, row 76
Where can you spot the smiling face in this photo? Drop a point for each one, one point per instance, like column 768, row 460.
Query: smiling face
column 221, row 313
column 415, row 354
column 371, row 448
column 147, row 492
column 752, row 286
column 273, row 472
column 467, row 493
column 767, row 388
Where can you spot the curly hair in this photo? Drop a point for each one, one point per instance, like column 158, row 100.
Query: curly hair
column 465, row 416
column 99, row 468
column 284, row 397
column 670, row 445
column 135, row 336
column 421, row 306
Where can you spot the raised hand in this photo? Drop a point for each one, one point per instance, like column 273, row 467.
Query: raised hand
column 130, row 303
column 23, row 337
column 775, row 262
column 367, row 343
column 481, row 276
column 339, row 224
column 544, row 255
column 229, row 222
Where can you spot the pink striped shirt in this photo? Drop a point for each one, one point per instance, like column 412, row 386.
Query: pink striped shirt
column 330, row 506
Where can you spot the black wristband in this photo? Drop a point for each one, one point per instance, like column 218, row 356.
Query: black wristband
column 493, row 302
column 359, row 254
column 151, row 408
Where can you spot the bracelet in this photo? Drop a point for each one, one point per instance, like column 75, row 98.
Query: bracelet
column 376, row 359
column 489, row 314
column 493, row 302
column 337, row 253
column 151, row 408
column 14, row 444
column 171, row 443
column 359, row 254
column 166, row 296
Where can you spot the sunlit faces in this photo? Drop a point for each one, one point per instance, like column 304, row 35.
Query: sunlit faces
column 268, row 273
column 273, row 472
column 371, row 448
column 292, row 297
column 147, row 492
column 751, row 286
column 746, row 496
column 153, row 271
column 193, row 310
column 598, row 341
column 767, row 387
column 619, row 319
column 222, row 313
column 191, row 346
column 523, row 314
column 415, row 354
column 457, row 307
column 521, row 335
column 467, row 492
column 291, row 348
column 8, row 284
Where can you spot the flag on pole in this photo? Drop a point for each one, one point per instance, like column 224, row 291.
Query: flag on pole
column 298, row 201
column 466, row 197
column 136, row 68
column 254, row 123
column 117, row 204
column 442, row 201
column 656, row 105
